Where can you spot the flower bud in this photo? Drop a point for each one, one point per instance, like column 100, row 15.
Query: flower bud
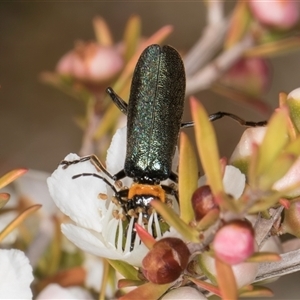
column 234, row 242
column 249, row 75
column 276, row 13
column 291, row 221
column 203, row 201
column 90, row 62
column 166, row 260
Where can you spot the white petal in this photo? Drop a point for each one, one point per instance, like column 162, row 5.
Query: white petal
column 116, row 153
column 234, row 181
column 16, row 275
column 295, row 94
column 182, row 293
column 55, row 291
column 93, row 243
column 78, row 198
column 245, row 146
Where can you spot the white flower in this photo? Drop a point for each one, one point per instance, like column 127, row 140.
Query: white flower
column 182, row 293
column 233, row 179
column 99, row 226
column 15, row 275
column 55, row 291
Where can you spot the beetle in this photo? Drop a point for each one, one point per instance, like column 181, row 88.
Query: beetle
column 154, row 119
column 154, row 112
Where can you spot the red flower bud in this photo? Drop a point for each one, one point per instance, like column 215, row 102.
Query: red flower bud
column 166, row 260
column 203, row 201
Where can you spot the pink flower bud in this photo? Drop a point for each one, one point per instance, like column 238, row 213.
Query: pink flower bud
column 281, row 14
column 166, row 260
column 250, row 75
column 234, row 242
column 90, row 62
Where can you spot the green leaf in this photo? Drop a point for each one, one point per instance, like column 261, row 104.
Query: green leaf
column 188, row 178
column 125, row 269
column 257, row 291
column 207, row 146
column 239, row 24
column 102, row 32
column 264, row 257
column 147, row 291
column 274, row 48
column 294, row 107
column 18, row 220
column 132, row 36
column 173, row 220
column 11, row 176
column 275, row 139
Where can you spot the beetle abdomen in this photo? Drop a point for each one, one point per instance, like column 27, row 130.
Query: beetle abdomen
column 155, row 111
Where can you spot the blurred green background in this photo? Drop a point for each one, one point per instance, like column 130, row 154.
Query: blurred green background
column 37, row 128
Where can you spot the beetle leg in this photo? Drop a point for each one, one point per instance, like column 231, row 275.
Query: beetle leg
column 94, row 160
column 97, row 176
column 171, row 191
column 121, row 174
column 174, row 177
column 221, row 114
column 119, row 102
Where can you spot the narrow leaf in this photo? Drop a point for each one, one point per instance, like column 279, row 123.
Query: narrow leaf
column 207, row 146
column 209, row 219
column 206, row 285
column 147, row 291
column 276, row 137
column 264, row 257
column 239, row 23
column 18, row 220
column 11, row 176
column 123, row 283
column 132, row 36
column 102, row 32
column 258, row 291
column 125, row 269
column 188, row 178
column 145, row 236
column 173, row 220
column 275, row 48
column 226, row 280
